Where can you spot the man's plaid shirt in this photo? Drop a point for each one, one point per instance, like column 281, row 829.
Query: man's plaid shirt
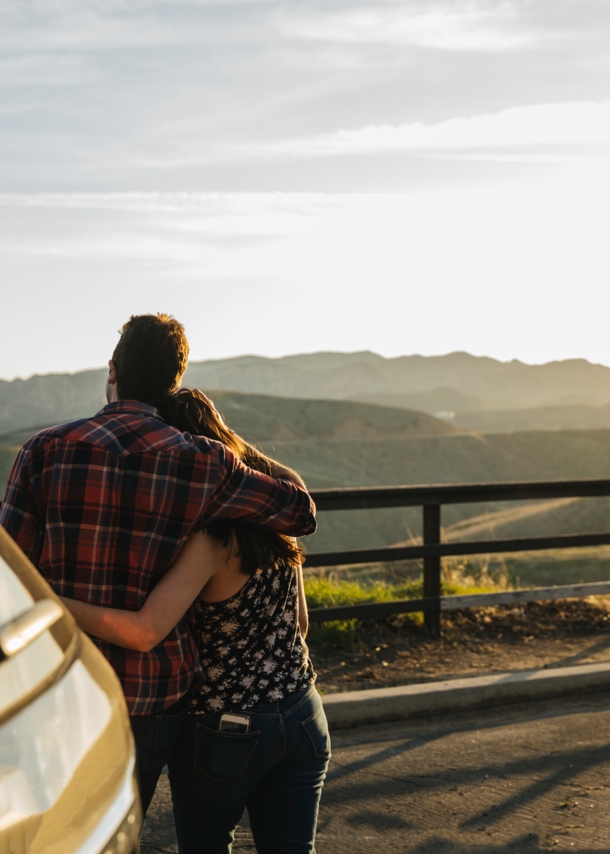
column 102, row 506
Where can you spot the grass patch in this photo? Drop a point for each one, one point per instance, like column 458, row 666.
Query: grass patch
column 331, row 592
column 325, row 591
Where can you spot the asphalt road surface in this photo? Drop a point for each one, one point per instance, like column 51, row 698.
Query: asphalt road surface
column 526, row 778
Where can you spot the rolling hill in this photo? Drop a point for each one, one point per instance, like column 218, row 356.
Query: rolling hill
column 540, row 418
column 50, row 399
column 475, row 388
column 261, row 418
column 450, row 458
column 344, row 443
column 439, row 399
column 264, row 418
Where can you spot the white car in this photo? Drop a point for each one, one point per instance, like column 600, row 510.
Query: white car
column 66, row 752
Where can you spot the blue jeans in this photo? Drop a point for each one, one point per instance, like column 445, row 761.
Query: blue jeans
column 155, row 739
column 276, row 770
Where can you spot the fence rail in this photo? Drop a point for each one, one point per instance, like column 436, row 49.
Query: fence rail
column 431, row 498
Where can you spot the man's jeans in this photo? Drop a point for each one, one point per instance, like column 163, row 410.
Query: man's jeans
column 155, row 737
column 277, row 770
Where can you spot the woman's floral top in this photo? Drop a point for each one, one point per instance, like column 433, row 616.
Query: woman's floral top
column 250, row 645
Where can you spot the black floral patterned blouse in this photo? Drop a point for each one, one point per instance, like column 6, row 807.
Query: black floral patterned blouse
column 250, row 645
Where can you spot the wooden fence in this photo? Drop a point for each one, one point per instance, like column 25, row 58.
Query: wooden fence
column 431, row 498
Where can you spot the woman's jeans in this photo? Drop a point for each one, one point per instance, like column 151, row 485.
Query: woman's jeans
column 276, row 770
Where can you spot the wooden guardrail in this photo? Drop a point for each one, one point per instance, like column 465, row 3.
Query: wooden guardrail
column 431, row 498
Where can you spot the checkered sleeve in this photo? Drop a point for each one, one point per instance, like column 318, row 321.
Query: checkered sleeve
column 242, row 493
column 18, row 515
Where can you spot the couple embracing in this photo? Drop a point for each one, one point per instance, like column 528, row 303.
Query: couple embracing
column 171, row 541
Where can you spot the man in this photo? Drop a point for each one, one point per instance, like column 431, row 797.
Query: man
column 103, row 505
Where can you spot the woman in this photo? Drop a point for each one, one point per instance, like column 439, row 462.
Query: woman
column 256, row 733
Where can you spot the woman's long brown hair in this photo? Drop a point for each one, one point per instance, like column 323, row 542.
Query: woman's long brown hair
column 259, row 548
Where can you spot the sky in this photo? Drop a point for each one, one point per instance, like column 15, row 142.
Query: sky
column 283, row 177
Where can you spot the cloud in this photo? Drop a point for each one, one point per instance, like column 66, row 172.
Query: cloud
column 540, row 130
column 90, row 24
column 448, row 26
column 428, row 271
column 115, row 94
column 44, row 70
column 578, row 124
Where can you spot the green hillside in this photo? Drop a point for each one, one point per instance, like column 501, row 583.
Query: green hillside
column 7, row 456
column 261, row 418
column 450, row 458
column 50, row 399
column 436, row 400
column 540, row 418
column 265, row 418
column 453, row 458
column 344, row 443
column 475, row 413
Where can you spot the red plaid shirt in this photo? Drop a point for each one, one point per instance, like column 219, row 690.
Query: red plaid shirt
column 102, row 506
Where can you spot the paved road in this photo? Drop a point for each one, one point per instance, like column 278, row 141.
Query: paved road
column 529, row 778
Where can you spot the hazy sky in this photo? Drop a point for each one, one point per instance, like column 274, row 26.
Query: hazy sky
column 295, row 176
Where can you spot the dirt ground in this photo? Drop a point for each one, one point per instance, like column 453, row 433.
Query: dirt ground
column 475, row 642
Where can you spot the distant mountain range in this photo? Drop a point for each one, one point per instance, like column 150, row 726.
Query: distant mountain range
column 456, row 381
column 348, row 442
column 482, row 393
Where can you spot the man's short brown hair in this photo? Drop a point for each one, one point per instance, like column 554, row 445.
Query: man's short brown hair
column 150, row 358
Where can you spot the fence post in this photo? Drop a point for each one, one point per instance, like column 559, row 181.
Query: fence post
column 432, row 566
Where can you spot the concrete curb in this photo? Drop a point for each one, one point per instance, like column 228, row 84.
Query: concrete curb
column 354, row 708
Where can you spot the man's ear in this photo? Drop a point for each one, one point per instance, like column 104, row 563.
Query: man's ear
column 111, row 387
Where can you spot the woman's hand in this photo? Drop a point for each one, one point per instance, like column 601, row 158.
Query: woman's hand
column 210, row 403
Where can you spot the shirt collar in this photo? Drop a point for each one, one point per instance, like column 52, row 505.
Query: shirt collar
column 132, row 407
